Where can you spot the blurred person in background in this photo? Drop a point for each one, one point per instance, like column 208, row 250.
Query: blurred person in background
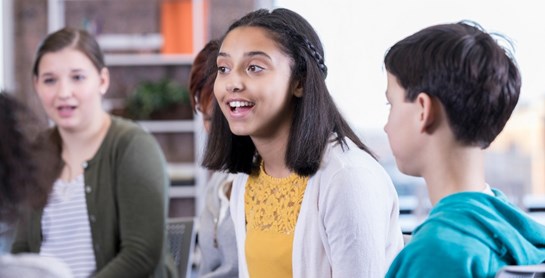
column 216, row 236
column 25, row 182
column 106, row 214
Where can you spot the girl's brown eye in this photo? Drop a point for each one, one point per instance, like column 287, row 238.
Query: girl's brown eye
column 254, row 68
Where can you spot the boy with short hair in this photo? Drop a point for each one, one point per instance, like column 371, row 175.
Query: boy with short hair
column 452, row 88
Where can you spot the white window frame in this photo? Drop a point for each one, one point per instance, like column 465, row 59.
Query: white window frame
column 7, row 69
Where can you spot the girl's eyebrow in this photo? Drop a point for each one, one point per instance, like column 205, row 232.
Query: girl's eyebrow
column 46, row 74
column 74, row 70
column 247, row 54
column 257, row 53
column 223, row 54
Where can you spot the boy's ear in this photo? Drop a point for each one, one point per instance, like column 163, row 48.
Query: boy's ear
column 428, row 110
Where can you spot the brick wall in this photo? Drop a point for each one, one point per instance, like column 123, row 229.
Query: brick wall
column 29, row 29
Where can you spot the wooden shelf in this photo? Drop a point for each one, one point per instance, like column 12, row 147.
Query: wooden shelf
column 148, row 59
column 181, row 171
column 182, row 191
column 168, row 126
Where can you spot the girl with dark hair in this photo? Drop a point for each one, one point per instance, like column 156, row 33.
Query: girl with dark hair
column 107, row 211
column 310, row 199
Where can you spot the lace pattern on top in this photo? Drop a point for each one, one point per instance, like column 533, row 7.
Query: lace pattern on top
column 273, row 204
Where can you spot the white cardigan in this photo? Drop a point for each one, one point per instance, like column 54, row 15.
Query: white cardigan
column 348, row 223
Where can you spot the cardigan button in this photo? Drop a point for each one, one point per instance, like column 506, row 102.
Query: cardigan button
column 88, row 189
column 92, row 218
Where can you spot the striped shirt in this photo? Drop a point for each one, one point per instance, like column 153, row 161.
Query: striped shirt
column 66, row 230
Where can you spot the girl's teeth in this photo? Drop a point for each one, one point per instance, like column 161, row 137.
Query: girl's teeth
column 239, row 103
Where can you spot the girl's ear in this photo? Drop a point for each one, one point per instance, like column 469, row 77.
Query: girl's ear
column 428, row 112
column 298, row 90
column 104, row 80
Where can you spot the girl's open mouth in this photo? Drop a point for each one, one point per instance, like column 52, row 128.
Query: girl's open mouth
column 240, row 106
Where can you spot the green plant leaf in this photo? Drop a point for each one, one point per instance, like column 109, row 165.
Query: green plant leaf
column 152, row 96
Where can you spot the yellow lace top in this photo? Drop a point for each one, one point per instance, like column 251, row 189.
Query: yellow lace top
column 272, row 206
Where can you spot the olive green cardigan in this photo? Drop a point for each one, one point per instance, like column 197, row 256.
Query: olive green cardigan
column 126, row 189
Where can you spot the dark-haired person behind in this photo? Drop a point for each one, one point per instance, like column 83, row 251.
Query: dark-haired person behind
column 25, row 182
column 309, row 200
column 216, row 241
column 106, row 214
column 452, row 88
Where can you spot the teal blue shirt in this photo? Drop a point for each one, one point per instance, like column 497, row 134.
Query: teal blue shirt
column 471, row 234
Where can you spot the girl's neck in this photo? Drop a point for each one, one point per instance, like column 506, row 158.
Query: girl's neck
column 276, row 170
column 456, row 170
column 273, row 152
column 80, row 146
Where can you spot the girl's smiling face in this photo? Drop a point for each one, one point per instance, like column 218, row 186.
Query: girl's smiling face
column 253, row 85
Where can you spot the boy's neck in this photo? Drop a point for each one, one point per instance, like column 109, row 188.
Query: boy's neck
column 453, row 170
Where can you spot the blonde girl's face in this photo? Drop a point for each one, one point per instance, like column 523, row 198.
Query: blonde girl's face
column 70, row 88
column 253, row 83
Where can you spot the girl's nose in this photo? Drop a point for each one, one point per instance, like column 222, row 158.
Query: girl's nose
column 233, row 88
column 234, row 85
column 64, row 90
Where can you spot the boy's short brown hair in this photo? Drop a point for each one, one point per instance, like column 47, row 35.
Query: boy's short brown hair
column 461, row 65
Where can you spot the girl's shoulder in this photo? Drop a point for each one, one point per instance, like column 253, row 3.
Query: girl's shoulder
column 347, row 156
column 124, row 130
column 122, row 125
column 124, row 133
